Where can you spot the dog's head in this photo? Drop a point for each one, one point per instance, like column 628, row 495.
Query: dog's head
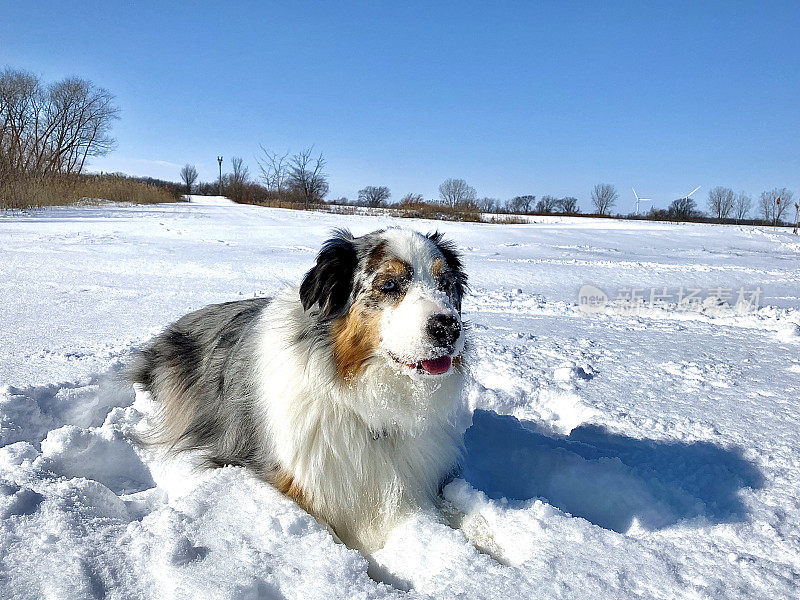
column 392, row 295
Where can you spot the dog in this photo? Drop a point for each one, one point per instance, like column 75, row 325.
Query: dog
column 342, row 393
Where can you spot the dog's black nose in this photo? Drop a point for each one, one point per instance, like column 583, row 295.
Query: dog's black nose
column 445, row 329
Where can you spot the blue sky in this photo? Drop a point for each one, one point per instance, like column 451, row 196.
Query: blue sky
column 515, row 98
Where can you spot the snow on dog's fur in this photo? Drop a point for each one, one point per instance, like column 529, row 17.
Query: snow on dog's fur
column 341, row 393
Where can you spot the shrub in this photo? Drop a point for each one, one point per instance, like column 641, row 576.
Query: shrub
column 442, row 212
column 506, row 220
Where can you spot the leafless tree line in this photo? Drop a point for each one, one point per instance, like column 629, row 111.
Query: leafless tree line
column 301, row 178
column 274, row 169
column 48, row 129
column 457, row 194
column 374, row 196
column 301, row 174
column 774, row 203
column 282, row 179
column 723, row 203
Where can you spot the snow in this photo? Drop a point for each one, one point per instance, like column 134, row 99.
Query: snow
column 642, row 454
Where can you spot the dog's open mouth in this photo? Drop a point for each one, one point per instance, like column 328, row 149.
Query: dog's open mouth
column 433, row 366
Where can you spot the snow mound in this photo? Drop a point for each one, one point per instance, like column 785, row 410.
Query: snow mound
column 789, row 332
column 100, row 454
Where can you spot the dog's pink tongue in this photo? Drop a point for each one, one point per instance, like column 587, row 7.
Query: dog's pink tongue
column 437, row 366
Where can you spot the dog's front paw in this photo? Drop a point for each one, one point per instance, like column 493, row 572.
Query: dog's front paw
column 474, row 527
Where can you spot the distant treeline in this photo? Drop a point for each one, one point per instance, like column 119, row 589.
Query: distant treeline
column 300, row 181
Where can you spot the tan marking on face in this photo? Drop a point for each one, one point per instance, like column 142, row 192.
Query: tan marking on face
column 356, row 337
column 395, row 266
column 437, row 267
column 376, row 257
column 286, row 485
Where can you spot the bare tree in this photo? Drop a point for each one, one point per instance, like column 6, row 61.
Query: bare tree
column 21, row 100
column 774, row 202
column 83, row 114
column 546, row 204
column 412, row 198
column 721, row 202
column 766, row 206
column 457, row 192
column 52, row 129
column 604, row 197
column 374, row 196
column 522, row 204
column 240, row 174
column 567, row 205
column 188, row 176
column 238, row 179
column 683, row 209
column 274, row 169
column 782, row 203
column 742, row 205
column 306, row 176
column 488, row 205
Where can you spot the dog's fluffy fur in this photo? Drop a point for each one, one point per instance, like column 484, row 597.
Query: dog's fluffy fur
column 341, row 393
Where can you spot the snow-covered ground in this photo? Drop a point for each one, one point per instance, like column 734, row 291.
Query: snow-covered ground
column 637, row 452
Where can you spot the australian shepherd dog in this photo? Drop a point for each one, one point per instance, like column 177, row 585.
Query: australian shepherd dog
column 341, row 393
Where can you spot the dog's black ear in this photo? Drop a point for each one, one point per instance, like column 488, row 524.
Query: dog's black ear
column 330, row 282
column 453, row 260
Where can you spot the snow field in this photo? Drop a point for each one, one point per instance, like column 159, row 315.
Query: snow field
column 628, row 456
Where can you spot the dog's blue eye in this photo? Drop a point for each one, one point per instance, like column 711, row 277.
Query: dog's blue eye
column 390, row 286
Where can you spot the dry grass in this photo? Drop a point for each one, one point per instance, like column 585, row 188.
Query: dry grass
column 404, row 210
column 426, row 210
column 506, row 220
column 21, row 192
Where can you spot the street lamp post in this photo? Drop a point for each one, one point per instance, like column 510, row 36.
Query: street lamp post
column 219, row 160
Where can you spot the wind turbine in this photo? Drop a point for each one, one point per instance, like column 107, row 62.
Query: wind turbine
column 640, row 200
column 693, row 191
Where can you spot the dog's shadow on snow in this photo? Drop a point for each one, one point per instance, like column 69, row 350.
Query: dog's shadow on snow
column 609, row 479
